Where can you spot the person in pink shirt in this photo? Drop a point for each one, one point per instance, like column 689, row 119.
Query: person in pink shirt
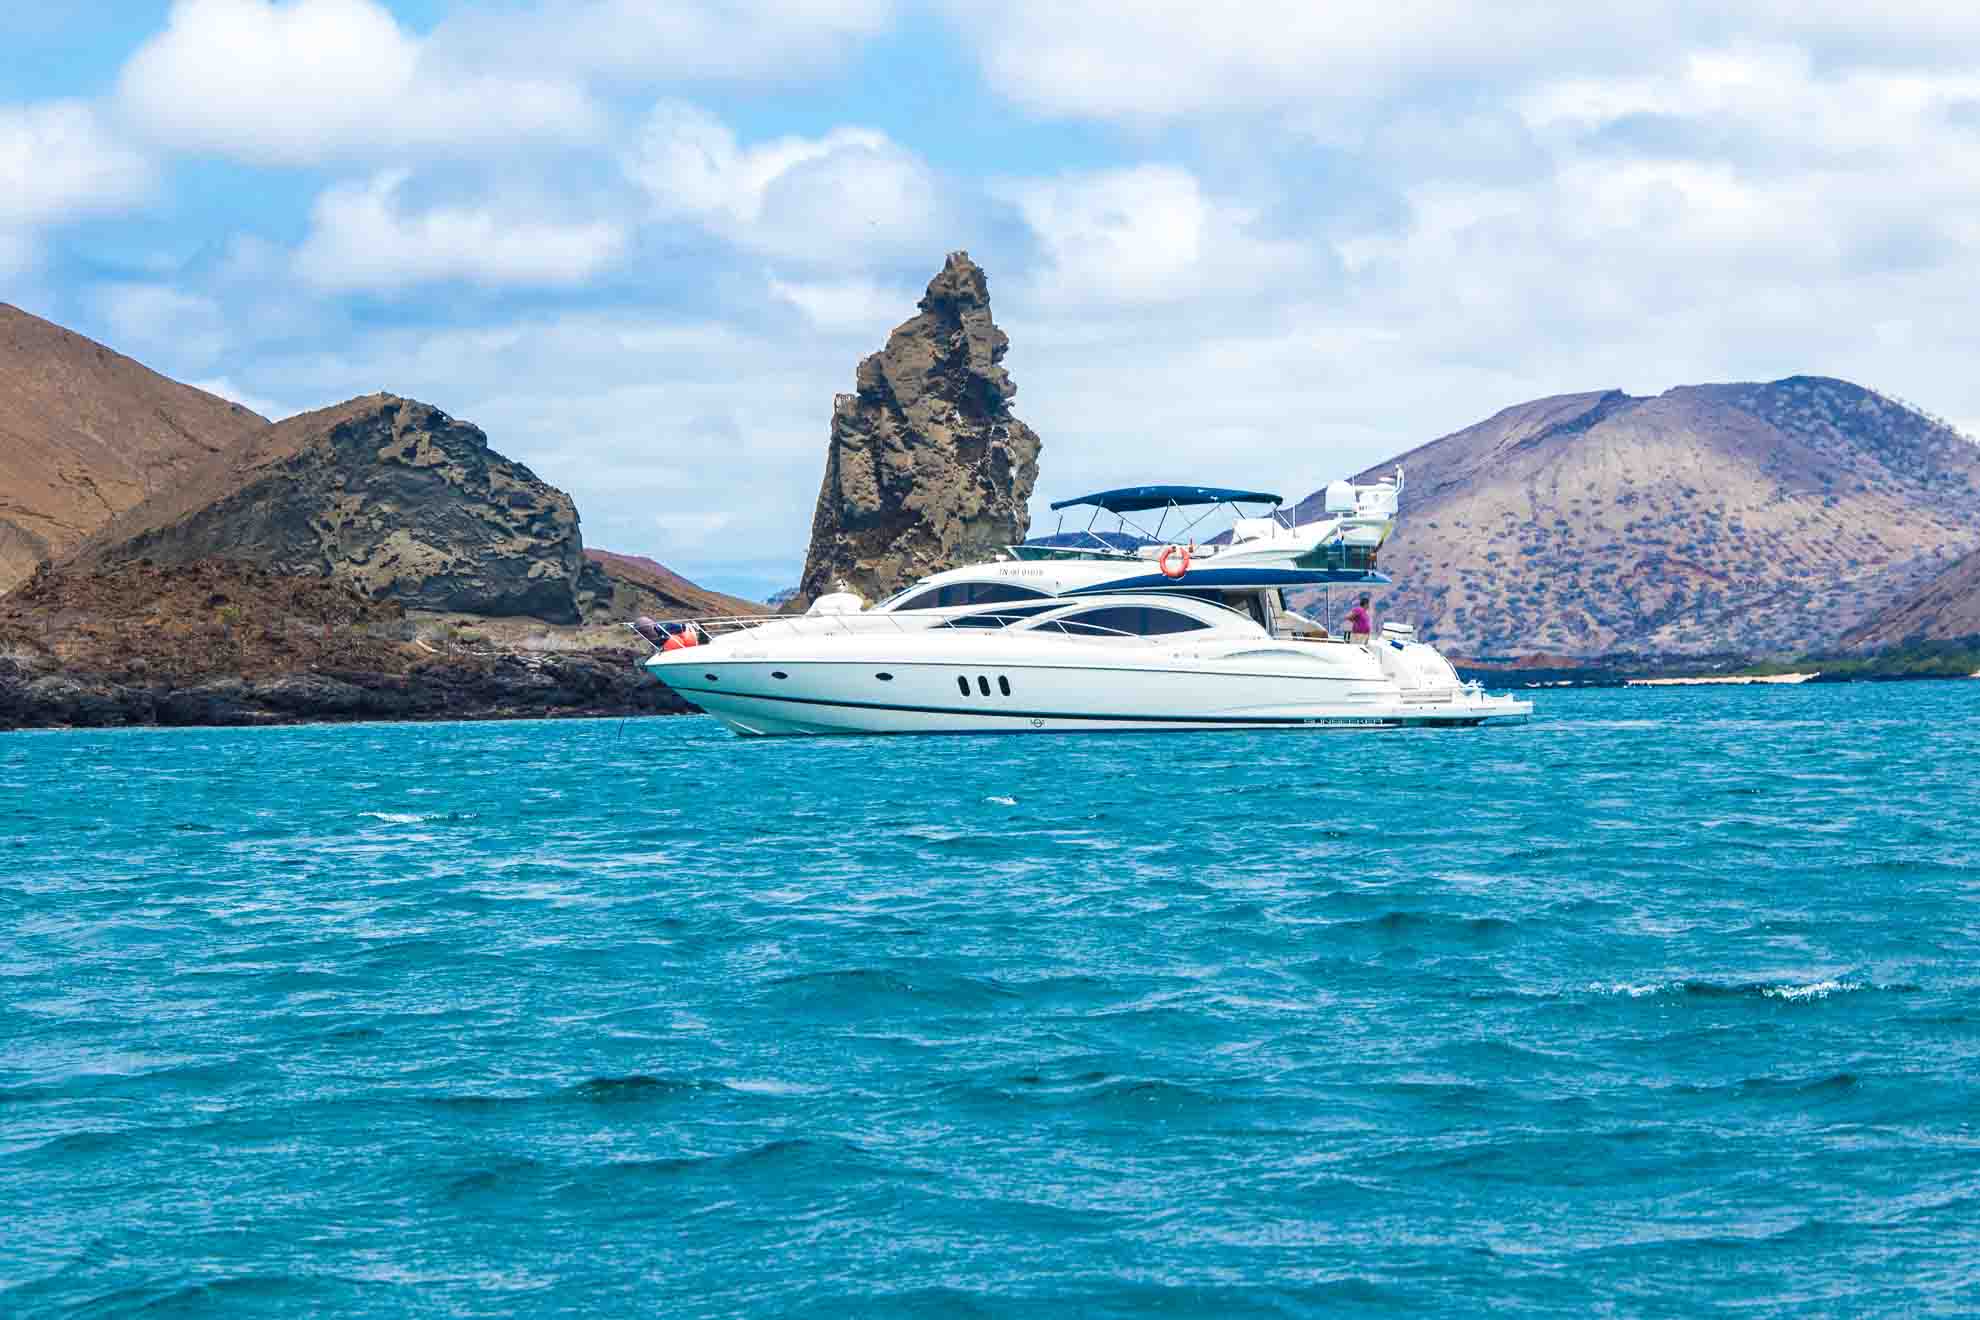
column 1360, row 622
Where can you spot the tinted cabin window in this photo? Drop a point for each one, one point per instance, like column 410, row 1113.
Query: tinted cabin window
column 1168, row 621
column 998, row 618
column 1134, row 620
column 924, row 600
column 969, row 593
column 999, row 593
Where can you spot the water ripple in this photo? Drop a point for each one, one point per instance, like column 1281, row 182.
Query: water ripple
column 1663, row 1004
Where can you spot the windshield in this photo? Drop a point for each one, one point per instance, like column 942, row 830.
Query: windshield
column 1125, row 531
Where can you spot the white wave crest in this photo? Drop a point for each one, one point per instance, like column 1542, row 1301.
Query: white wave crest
column 1813, row 990
column 1623, row 988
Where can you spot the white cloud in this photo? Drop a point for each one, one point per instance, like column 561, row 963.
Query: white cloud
column 58, row 162
column 1129, row 58
column 750, row 41
column 851, row 192
column 1739, row 169
column 224, row 387
column 17, row 254
column 692, row 531
column 1145, row 234
column 855, row 308
column 188, row 330
column 312, row 80
column 363, row 237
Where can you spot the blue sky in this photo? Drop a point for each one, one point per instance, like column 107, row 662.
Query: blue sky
column 643, row 244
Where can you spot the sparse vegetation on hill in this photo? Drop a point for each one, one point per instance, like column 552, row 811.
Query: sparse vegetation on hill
column 1754, row 518
column 1946, row 609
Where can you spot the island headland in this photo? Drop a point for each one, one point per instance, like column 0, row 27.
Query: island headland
column 167, row 557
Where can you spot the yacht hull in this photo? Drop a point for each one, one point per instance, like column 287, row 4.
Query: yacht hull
column 998, row 694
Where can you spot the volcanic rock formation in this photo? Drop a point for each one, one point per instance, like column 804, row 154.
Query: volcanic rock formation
column 1749, row 518
column 85, row 434
column 393, row 496
column 927, row 468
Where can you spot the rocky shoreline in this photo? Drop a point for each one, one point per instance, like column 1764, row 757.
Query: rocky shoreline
column 501, row 687
column 219, row 643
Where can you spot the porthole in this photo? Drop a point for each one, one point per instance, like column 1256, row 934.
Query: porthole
column 778, row 673
column 1004, row 685
column 885, row 678
column 983, row 685
column 963, row 684
column 711, row 678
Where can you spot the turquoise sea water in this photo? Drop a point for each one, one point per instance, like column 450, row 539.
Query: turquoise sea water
column 1666, row 1002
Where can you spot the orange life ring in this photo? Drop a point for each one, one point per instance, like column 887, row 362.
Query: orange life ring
column 1180, row 569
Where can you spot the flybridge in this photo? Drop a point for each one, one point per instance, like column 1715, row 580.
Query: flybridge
column 1127, row 538
column 1262, row 541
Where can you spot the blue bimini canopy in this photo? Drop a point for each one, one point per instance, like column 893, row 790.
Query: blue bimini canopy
column 1134, row 499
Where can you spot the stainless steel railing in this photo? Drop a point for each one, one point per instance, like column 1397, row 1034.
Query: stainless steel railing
column 707, row 628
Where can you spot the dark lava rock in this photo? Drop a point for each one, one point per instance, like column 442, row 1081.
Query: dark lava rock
column 927, row 468
column 390, row 495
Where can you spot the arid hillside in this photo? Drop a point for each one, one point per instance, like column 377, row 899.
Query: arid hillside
column 637, row 585
column 86, row 433
column 1946, row 609
column 1751, row 518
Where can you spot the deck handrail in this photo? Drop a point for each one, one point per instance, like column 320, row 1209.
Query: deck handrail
column 712, row 626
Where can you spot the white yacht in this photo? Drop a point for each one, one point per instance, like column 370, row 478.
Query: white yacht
column 1121, row 627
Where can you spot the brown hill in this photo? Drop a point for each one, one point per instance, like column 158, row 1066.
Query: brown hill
column 86, row 433
column 1760, row 518
column 639, row 585
column 1946, row 609
column 391, row 495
